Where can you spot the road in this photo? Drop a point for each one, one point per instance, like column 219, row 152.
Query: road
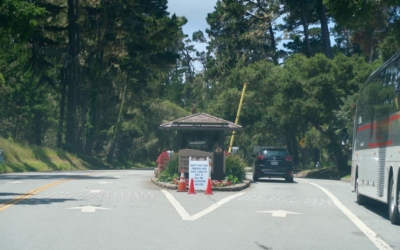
column 124, row 210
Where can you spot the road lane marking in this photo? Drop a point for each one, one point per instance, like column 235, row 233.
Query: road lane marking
column 22, row 197
column 178, row 207
column 29, row 194
column 94, row 191
column 12, row 182
column 185, row 216
column 278, row 213
column 375, row 238
column 89, row 209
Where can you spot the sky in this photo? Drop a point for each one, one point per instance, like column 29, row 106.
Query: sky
column 195, row 12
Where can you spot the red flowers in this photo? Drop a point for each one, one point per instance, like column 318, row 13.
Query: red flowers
column 162, row 160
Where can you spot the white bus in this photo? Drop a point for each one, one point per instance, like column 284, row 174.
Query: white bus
column 375, row 168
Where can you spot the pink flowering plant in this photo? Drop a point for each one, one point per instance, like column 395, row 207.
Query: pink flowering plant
column 168, row 168
column 162, row 160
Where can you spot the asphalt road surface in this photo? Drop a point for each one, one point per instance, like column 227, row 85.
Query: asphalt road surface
column 124, row 210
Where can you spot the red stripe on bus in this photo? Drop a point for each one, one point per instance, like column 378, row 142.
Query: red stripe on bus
column 363, row 127
column 368, row 126
column 394, row 117
column 380, row 144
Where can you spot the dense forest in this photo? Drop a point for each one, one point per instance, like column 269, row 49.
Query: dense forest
column 97, row 77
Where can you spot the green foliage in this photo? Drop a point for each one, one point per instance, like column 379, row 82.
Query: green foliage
column 170, row 171
column 233, row 179
column 171, row 168
column 235, row 168
column 372, row 25
column 165, row 177
column 19, row 17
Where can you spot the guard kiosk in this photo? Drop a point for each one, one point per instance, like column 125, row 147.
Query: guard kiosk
column 202, row 135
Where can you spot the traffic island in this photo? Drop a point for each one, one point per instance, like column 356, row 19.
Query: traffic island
column 235, row 187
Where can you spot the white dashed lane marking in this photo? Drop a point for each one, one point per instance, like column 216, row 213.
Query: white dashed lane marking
column 282, row 199
column 98, row 194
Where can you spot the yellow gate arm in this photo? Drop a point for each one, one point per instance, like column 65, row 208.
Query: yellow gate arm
column 237, row 117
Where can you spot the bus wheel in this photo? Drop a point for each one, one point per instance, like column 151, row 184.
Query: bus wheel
column 394, row 203
column 361, row 199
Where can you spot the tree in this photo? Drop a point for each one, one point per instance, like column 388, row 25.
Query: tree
column 369, row 22
column 19, row 17
column 301, row 13
column 312, row 90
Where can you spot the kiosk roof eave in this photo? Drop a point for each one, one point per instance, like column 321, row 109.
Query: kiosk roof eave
column 200, row 128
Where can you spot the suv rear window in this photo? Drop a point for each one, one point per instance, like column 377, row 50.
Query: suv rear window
column 269, row 152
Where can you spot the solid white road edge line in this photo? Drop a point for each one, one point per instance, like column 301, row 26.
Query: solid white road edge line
column 185, row 216
column 379, row 243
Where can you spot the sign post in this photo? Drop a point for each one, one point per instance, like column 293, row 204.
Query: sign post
column 199, row 171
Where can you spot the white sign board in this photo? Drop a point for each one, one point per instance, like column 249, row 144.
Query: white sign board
column 199, row 171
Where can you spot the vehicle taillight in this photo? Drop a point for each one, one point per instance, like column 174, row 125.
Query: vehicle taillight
column 288, row 158
column 260, row 157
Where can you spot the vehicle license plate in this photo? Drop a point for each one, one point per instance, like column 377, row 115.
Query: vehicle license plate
column 274, row 163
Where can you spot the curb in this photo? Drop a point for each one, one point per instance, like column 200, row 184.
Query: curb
column 346, row 180
column 236, row 187
column 332, row 179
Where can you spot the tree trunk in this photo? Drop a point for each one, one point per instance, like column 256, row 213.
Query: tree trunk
column 93, row 94
column 307, row 46
column 295, row 149
column 349, row 45
column 317, row 157
column 341, row 159
column 92, row 121
column 71, row 128
column 326, row 41
column 16, row 127
column 116, row 128
column 289, row 145
column 38, row 127
column 37, row 114
column 62, row 110
column 273, row 45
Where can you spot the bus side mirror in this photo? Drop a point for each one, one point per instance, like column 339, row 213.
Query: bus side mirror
column 344, row 137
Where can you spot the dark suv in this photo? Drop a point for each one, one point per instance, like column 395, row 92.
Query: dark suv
column 273, row 162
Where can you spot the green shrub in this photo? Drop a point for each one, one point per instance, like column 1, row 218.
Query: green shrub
column 170, row 171
column 171, row 167
column 235, row 168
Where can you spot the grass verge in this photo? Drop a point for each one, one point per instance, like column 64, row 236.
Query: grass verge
column 324, row 173
column 29, row 158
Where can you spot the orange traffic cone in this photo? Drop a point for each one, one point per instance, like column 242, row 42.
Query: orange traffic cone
column 208, row 190
column 191, row 187
column 182, row 182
